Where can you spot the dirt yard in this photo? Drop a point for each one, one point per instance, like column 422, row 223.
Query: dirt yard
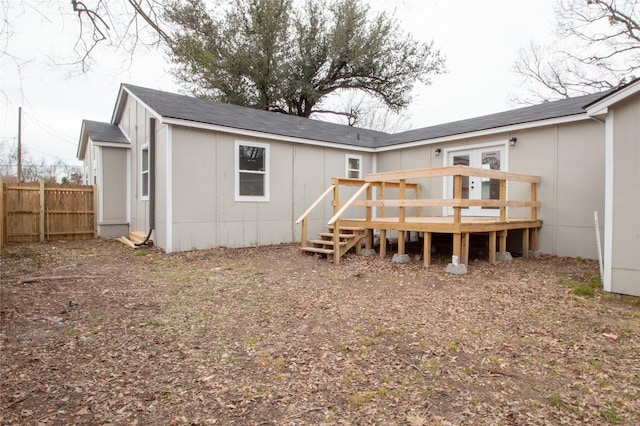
column 95, row 333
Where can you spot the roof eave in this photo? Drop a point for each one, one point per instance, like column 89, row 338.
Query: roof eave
column 601, row 106
column 262, row 135
column 487, row 132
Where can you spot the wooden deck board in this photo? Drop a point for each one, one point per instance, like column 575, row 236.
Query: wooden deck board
column 492, row 226
column 444, row 224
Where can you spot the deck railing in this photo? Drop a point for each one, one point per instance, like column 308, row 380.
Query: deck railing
column 457, row 202
column 400, row 180
column 340, row 206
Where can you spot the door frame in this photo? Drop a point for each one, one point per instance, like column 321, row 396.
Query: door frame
column 447, row 183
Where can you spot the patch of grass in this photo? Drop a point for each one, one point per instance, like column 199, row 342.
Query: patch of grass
column 252, row 342
column 473, row 330
column 451, row 346
column 611, row 416
column 141, row 252
column 368, row 341
column 357, row 400
column 555, row 400
column 70, row 333
column 587, row 288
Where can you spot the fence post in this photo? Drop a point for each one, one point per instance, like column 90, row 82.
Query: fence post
column 42, row 201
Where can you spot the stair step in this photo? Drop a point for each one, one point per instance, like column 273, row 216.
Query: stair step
column 326, row 242
column 348, row 228
column 330, row 235
column 317, row 250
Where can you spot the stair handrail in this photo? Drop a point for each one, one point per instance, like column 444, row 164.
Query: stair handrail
column 315, row 204
column 305, row 219
column 348, row 203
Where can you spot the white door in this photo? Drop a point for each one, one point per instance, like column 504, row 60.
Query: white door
column 476, row 188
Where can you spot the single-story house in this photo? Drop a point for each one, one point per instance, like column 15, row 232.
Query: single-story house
column 201, row 174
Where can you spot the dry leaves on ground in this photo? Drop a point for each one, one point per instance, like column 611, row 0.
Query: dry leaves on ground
column 93, row 332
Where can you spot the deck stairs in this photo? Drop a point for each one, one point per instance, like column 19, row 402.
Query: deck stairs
column 350, row 237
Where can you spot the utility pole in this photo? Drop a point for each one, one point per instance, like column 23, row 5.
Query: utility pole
column 20, row 178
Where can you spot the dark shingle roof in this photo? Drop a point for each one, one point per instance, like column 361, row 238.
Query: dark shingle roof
column 546, row 111
column 104, row 132
column 171, row 105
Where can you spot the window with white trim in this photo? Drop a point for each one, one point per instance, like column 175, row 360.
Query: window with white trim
column 252, row 171
column 354, row 166
column 144, row 171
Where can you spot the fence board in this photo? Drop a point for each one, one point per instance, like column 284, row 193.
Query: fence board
column 68, row 212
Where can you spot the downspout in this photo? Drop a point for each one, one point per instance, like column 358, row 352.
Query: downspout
column 152, row 180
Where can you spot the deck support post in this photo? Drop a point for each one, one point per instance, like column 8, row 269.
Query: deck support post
column 464, row 250
column 383, row 243
column 457, row 246
column 455, row 267
column 303, row 243
column 336, row 242
column 534, row 239
column 427, row 249
column 503, row 241
column 525, row 242
column 401, row 256
column 492, row 247
column 368, row 243
column 503, row 254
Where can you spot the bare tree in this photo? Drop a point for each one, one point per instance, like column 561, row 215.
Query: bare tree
column 124, row 25
column 597, row 48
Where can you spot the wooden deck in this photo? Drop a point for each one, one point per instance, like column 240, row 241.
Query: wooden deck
column 410, row 219
column 495, row 230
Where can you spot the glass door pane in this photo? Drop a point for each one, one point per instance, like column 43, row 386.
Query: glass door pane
column 490, row 187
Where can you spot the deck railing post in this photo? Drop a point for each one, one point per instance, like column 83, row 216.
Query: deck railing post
column 534, row 199
column 336, row 195
column 503, row 197
column 368, row 244
column 403, row 196
column 382, row 197
column 457, row 195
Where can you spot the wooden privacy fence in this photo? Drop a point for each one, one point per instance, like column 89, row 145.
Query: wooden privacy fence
column 33, row 212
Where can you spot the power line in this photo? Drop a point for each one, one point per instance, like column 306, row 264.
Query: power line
column 53, row 132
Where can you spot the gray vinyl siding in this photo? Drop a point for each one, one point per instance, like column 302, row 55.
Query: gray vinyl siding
column 625, row 266
column 204, row 210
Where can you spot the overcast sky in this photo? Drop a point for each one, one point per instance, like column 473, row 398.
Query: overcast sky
column 480, row 40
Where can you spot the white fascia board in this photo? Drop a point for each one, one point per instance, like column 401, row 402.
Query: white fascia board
column 488, row 132
column 112, row 144
column 121, row 99
column 262, row 135
column 601, row 107
column 82, row 143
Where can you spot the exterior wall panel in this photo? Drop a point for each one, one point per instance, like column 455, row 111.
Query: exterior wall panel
column 626, row 198
column 113, row 222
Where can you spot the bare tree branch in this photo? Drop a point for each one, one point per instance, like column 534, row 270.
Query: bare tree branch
column 598, row 48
